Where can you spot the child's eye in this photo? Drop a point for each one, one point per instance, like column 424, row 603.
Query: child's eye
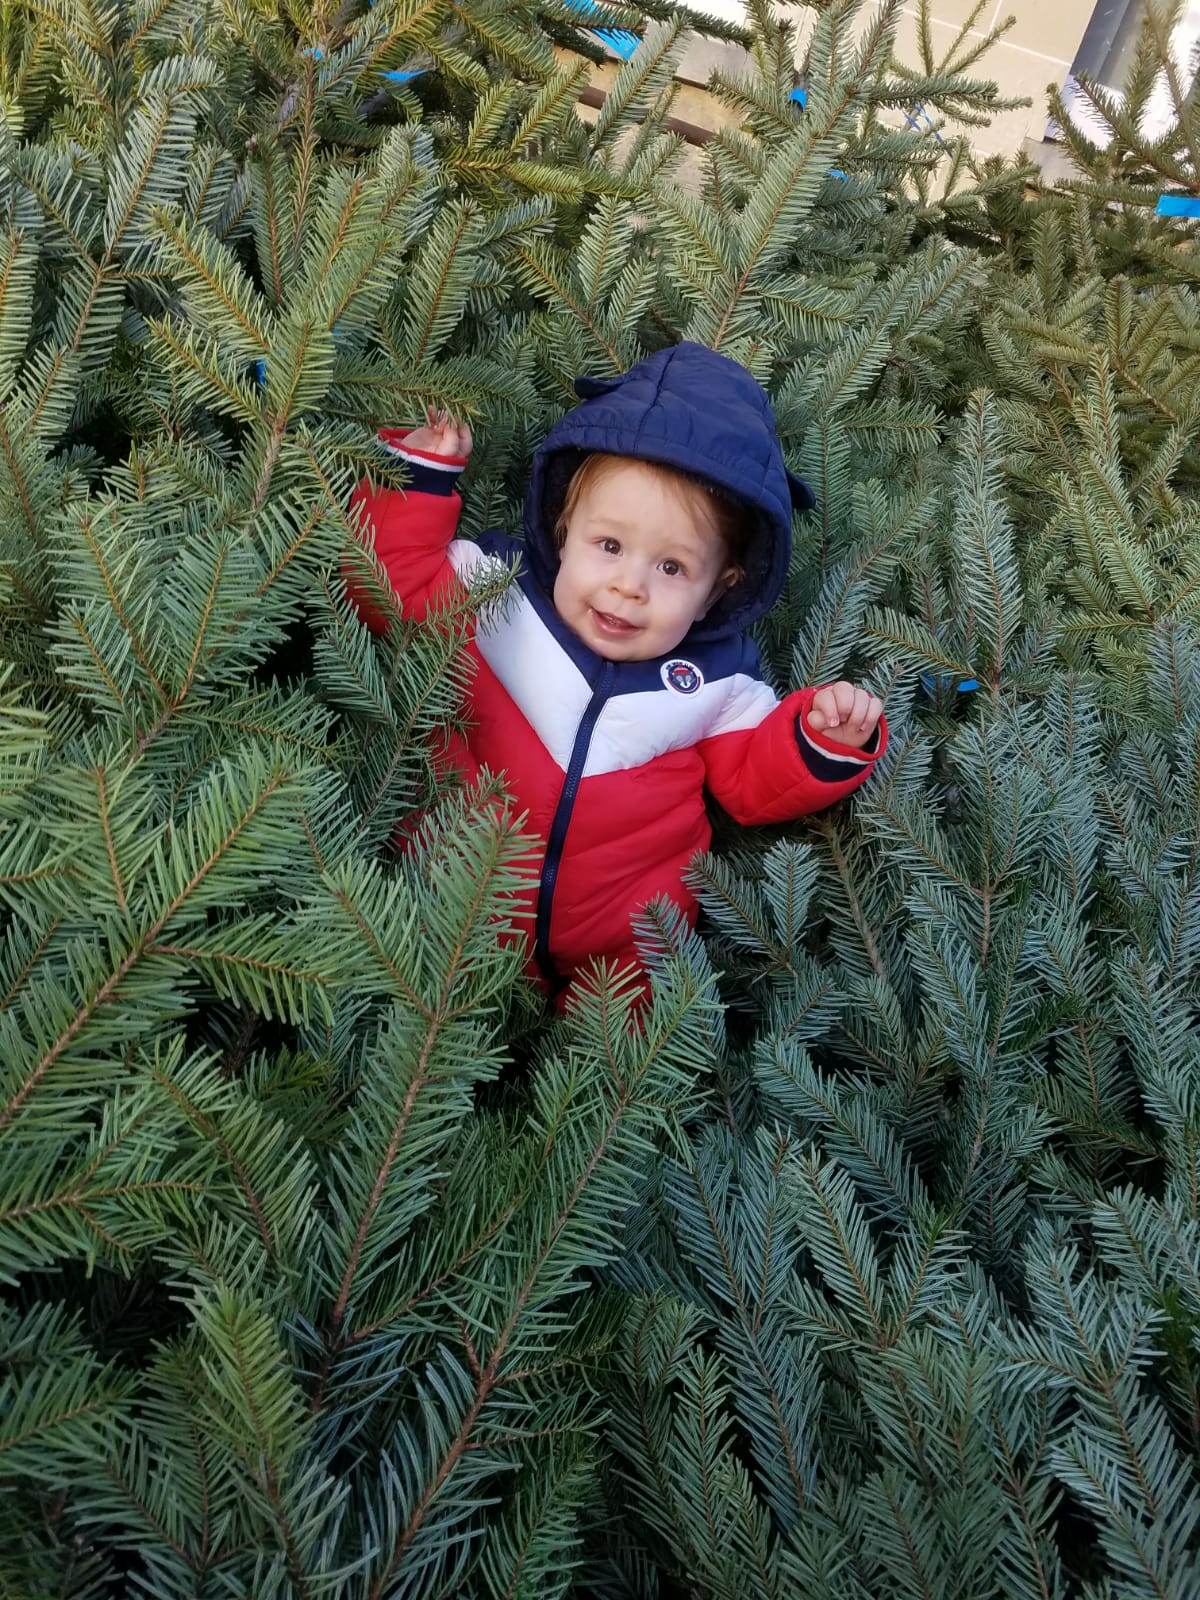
column 611, row 547
column 672, row 568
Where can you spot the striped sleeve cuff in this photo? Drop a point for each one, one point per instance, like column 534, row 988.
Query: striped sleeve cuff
column 427, row 474
column 833, row 766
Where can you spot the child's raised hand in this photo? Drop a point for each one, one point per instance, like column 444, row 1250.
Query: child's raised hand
column 845, row 713
column 444, row 435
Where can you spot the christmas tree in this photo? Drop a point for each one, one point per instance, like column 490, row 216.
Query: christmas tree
column 862, row 1259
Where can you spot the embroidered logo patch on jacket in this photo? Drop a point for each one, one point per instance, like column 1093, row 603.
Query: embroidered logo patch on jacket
column 682, row 676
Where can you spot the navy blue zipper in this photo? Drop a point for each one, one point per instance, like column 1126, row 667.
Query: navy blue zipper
column 562, row 816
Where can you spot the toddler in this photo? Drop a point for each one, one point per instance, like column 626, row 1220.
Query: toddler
column 619, row 682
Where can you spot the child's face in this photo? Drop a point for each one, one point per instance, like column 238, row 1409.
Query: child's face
column 641, row 562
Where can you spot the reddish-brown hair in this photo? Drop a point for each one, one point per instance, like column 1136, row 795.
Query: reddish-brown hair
column 726, row 519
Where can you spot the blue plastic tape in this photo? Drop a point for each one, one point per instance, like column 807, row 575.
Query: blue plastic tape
column 919, row 110
column 800, row 96
column 931, row 682
column 1177, row 205
column 619, row 40
column 401, row 76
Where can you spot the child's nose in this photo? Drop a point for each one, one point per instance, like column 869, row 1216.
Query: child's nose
column 630, row 580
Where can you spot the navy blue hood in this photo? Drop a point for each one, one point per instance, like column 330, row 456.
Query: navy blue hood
column 704, row 415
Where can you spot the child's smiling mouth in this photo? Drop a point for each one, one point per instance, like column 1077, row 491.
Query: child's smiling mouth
column 607, row 623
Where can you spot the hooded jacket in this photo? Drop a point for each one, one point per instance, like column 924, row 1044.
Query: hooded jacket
column 609, row 760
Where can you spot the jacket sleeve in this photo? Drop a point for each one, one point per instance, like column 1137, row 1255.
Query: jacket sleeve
column 413, row 528
column 781, row 768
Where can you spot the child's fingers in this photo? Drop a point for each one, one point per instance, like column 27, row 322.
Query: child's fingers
column 822, row 710
column 435, row 439
column 832, row 704
column 848, row 701
column 445, row 433
column 844, row 712
column 856, row 717
column 457, row 438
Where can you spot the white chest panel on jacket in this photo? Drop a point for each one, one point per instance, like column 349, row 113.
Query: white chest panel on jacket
column 537, row 672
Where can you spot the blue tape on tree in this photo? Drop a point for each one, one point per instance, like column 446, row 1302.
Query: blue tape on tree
column 931, row 682
column 800, row 96
column 1177, row 205
column 919, row 110
column 260, row 366
column 403, row 75
column 619, row 40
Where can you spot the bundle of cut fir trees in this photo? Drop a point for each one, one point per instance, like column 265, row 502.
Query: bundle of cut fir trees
column 864, row 1261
